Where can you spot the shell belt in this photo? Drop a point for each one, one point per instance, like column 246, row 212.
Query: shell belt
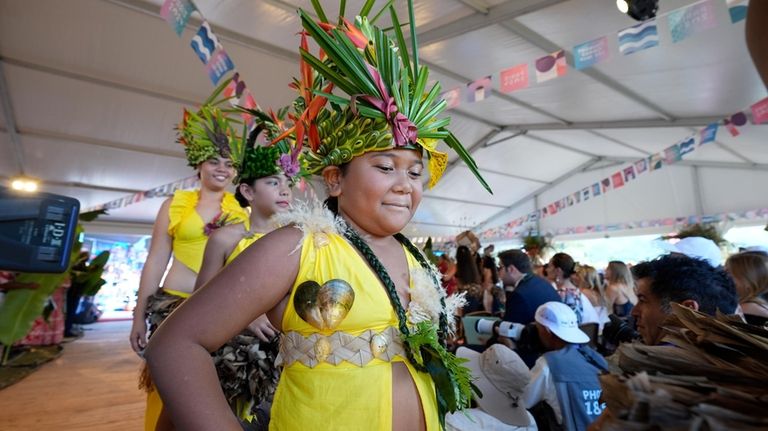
column 340, row 346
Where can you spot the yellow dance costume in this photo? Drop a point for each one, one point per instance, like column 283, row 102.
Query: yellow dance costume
column 331, row 379
column 187, row 229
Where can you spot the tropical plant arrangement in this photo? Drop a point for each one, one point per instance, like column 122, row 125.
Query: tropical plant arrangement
column 22, row 306
column 708, row 231
column 535, row 244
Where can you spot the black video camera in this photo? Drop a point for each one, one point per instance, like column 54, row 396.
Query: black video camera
column 37, row 231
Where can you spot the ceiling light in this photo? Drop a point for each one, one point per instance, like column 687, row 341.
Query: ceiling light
column 641, row 10
column 24, row 184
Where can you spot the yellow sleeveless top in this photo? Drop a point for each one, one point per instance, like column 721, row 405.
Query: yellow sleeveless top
column 242, row 245
column 344, row 396
column 188, row 230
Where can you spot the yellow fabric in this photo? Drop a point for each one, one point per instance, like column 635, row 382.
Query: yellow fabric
column 177, row 293
column 345, row 396
column 154, row 408
column 188, row 230
column 242, row 245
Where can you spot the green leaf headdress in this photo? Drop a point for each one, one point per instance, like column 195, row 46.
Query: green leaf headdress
column 257, row 161
column 209, row 131
column 383, row 102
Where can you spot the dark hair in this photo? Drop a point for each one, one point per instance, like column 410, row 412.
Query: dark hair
column 466, row 267
column 565, row 263
column 239, row 196
column 516, row 258
column 676, row 278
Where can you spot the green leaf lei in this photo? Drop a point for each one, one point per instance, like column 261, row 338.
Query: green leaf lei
column 424, row 343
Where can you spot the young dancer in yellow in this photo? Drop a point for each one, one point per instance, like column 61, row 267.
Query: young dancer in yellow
column 181, row 229
column 264, row 186
column 363, row 316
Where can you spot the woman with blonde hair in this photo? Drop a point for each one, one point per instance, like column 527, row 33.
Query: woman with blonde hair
column 620, row 288
column 750, row 274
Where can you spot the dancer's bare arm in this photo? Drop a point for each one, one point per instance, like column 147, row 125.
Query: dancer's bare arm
column 178, row 353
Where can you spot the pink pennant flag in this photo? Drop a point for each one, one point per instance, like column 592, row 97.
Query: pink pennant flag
column 452, row 97
column 641, row 166
column 760, row 111
column 478, row 90
column 551, row 66
column 689, row 20
column 514, row 78
column 617, row 179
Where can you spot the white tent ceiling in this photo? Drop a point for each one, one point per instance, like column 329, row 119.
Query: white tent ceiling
column 91, row 90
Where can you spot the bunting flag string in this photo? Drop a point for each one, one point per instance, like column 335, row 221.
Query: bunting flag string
column 510, row 232
column 682, row 23
column 669, row 156
column 164, row 190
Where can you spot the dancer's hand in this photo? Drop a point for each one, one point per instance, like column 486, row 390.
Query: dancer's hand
column 139, row 335
column 263, row 328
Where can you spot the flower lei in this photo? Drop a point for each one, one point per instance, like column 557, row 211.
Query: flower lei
column 424, row 341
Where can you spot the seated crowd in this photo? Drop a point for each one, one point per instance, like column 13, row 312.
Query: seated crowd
column 537, row 342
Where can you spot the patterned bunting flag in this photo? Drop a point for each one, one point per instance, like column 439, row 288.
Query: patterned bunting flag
column 514, row 78
column 452, row 97
column 760, row 111
column 551, row 66
column 588, row 54
column 234, row 89
column 552, row 209
column 638, row 37
column 585, row 193
column 655, row 161
column 687, row 21
column 605, row 185
column 733, row 123
column 618, row 180
column 708, row 134
column 641, row 166
column 219, row 65
column 177, row 13
column 672, row 154
column 478, row 90
column 687, row 145
column 596, row 189
column 205, row 43
column 737, row 9
column 629, row 174
column 577, row 197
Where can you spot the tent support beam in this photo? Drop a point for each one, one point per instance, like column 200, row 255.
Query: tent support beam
column 57, row 136
column 462, row 201
column 578, row 169
column 483, row 18
column 697, row 196
column 10, row 120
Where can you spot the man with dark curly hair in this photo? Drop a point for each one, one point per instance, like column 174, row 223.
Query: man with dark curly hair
column 674, row 278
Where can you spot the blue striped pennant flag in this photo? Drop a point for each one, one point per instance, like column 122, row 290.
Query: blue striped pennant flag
column 638, row 37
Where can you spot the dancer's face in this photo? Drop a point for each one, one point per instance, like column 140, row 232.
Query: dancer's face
column 216, row 173
column 268, row 195
column 378, row 191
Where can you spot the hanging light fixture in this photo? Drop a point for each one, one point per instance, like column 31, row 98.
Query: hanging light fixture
column 641, row 10
column 24, row 184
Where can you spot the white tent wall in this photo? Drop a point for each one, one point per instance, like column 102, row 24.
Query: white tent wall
column 95, row 88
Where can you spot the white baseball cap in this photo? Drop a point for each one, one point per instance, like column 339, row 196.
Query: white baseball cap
column 561, row 321
column 502, row 377
column 699, row 248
